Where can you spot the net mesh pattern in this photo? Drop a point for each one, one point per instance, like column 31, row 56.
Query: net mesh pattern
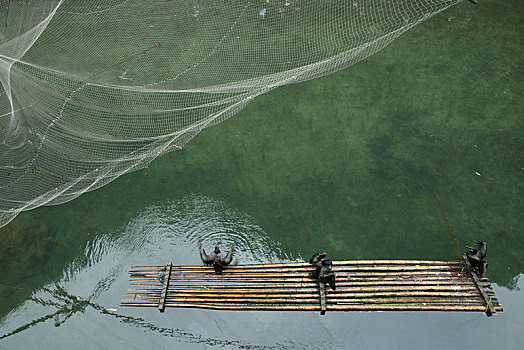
column 91, row 90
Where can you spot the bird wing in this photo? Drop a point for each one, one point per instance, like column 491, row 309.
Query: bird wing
column 229, row 257
column 474, row 257
column 205, row 258
column 316, row 273
column 331, row 282
column 483, row 247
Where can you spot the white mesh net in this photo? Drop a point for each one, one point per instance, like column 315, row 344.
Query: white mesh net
column 95, row 89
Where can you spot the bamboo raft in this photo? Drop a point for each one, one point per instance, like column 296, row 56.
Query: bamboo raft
column 362, row 285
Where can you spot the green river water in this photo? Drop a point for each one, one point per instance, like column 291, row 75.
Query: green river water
column 350, row 164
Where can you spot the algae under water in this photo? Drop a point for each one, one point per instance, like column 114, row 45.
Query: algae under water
column 440, row 109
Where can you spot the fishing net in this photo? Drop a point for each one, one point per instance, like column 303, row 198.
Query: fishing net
column 92, row 90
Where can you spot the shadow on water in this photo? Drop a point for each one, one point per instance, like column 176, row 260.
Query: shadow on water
column 68, row 305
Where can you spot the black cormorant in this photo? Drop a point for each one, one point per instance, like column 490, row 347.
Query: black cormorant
column 326, row 275
column 476, row 257
column 216, row 258
column 323, row 272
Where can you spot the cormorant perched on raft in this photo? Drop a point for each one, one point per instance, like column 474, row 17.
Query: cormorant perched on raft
column 476, row 257
column 323, row 272
column 216, row 258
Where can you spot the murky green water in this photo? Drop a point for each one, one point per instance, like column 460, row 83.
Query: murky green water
column 350, row 164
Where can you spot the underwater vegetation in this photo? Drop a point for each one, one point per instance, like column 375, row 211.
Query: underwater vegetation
column 25, row 243
column 24, row 246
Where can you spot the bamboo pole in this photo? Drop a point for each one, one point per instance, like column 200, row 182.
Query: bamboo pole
column 292, row 294
column 270, row 276
column 329, row 304
column 315, row 300
column 339, row 283
column 448, row 296
column 229, row 279
column 355, row 277
column 490, row 309
column 162, row 300
column 302, row 264
column 322, row 292
column 397, row 289
column 306, row 266
column 312, row 284
column 366, row 307
column 340, row 274
column 243, row 294
column 312, row 294
column 300, row 281
column 330, row 301
column 230, row 271
column 285, row 289
column 451, row 288
column 305, row 271
column 300, row 286
column 333, row 297
column 294, row 286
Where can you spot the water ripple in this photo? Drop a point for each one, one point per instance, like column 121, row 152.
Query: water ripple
column 91, row 287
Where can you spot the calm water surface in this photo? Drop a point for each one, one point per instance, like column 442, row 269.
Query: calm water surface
column 350, row 164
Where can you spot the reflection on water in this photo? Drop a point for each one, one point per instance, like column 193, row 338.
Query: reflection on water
column 86, row 297
column 82, row 305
